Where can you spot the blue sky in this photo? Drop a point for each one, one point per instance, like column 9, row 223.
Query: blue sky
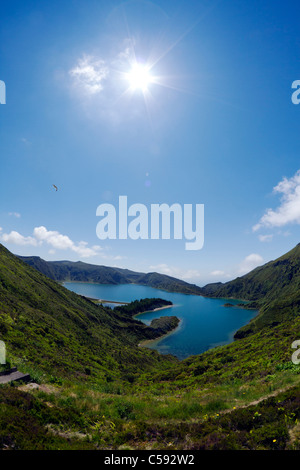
column 214, row 126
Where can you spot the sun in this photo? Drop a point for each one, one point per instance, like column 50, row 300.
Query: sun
column 139, row 77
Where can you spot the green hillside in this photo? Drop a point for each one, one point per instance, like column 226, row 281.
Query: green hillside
column 273, row 288
column 94, row 388
column 44, row 324
column 84, row 272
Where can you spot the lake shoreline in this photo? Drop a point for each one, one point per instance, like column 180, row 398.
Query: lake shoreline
column 146, row 342
column 149, row 341
column 196, row 294
column 154, row 310
column 204, row 320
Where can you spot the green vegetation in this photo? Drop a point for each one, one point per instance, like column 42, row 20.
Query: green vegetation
column 44, row 324
column 81, row 416
column 141, row 306
column 164, row 324
column 94, row 388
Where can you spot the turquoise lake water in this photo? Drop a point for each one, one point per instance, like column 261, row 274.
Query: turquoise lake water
column 204, row 323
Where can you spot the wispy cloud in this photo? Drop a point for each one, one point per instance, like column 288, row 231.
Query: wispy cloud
column 193, row 275
column 288, row 212
column 266, row 238
column 90, row 74
column 162, row 268
column 250, row 262
column 186, row 274
column 218, row 273
column 15, row 214
column 25, row 141
column 94, row 73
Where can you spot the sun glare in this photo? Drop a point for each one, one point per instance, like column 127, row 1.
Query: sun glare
column 139, row 77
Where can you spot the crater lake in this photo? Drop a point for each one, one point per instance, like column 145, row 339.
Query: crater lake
column 204, row 322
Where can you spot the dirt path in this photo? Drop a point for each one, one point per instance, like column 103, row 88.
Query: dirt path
column 259, row 400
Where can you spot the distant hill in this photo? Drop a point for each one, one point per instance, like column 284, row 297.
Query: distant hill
column 273, row 288
column 84, row 272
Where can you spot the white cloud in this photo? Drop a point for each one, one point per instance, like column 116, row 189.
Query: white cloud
column 249, row 263
column 62, row 242
column 17, row 239
column 189, row 275
column 288, row 211
column 56, row 240
column 15, row 214
column 53, row 238
column 218, row 273
column 90, row 74
column 162, row 268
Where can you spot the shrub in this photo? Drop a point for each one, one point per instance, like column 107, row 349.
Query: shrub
column 125, row 410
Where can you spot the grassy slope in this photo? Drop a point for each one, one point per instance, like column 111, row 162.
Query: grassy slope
column 44, row 324
column 245, row 395
column 241, row 396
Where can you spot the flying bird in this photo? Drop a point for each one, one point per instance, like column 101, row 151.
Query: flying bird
column 55, row 187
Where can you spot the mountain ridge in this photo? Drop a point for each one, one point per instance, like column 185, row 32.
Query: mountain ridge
column 273, row 288
column 84, row 272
